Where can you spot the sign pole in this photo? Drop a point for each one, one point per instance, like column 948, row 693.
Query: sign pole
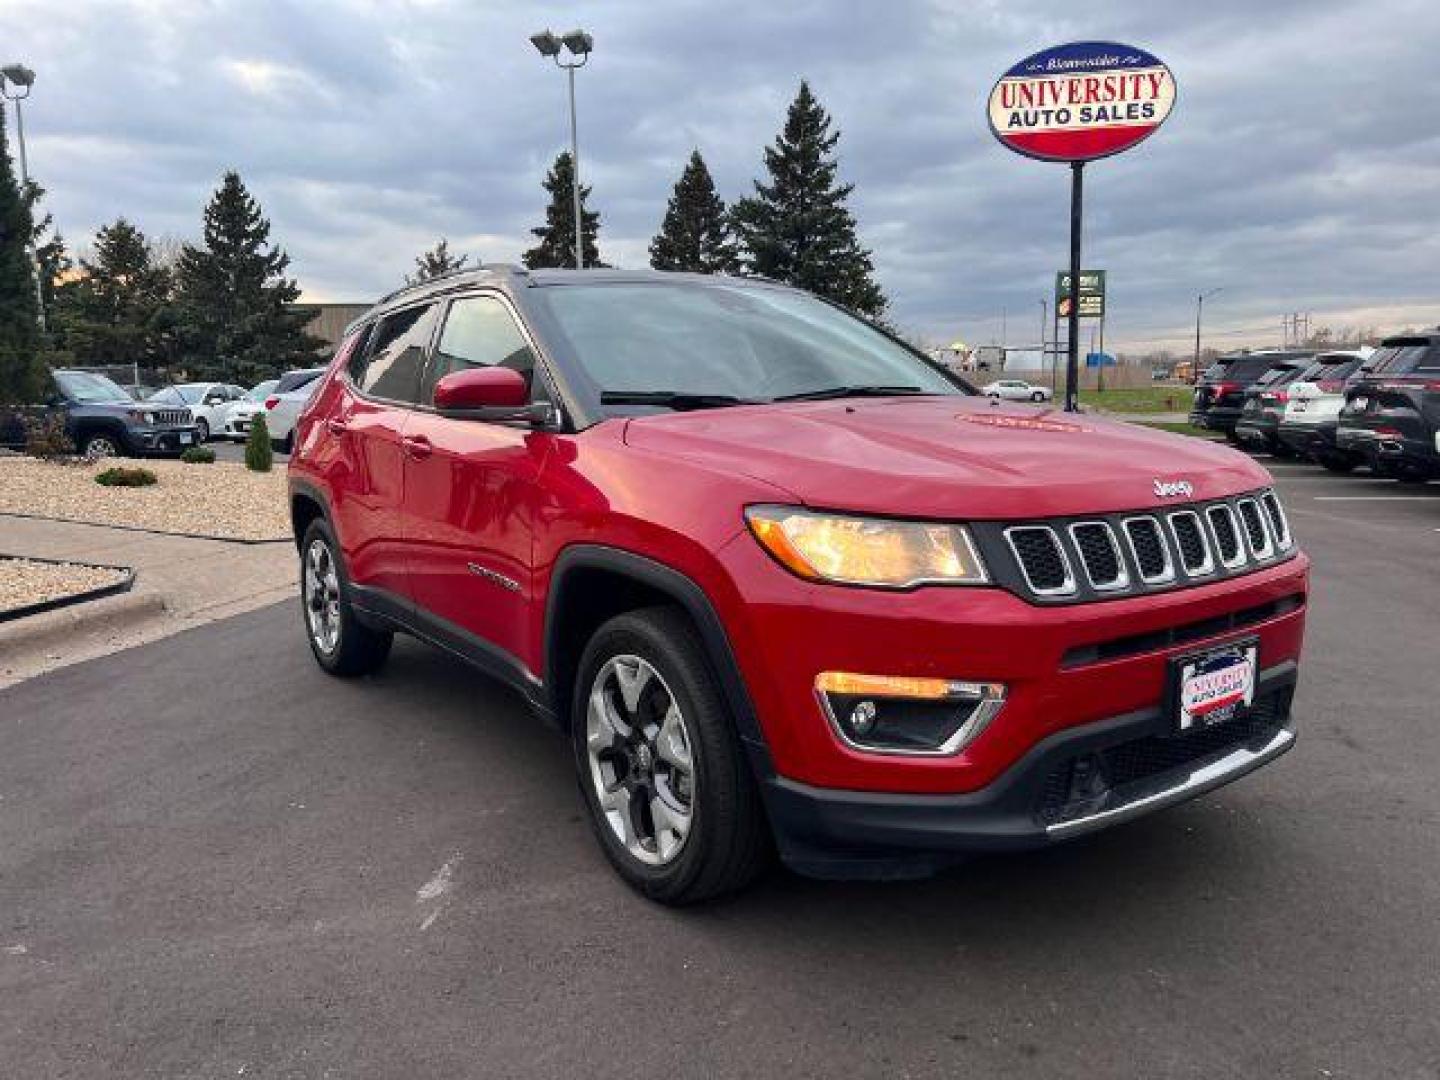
column 1072, row 361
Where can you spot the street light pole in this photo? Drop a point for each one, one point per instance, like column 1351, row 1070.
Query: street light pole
column 579, row 44
column 22, row 78
column 1199, row 309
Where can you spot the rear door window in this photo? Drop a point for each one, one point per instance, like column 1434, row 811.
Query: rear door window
column 1406, row 356
column 396, row 356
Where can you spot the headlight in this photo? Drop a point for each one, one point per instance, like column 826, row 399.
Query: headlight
column 866, row 551
column 139, row 416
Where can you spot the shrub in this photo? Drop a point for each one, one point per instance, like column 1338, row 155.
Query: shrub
column 258, row 454
column 122, row 476
column 46, row 438
column 198, row 455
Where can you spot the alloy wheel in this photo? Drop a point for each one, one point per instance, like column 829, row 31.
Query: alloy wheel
column 100, row 446
column 641, row 769
column 322, row 597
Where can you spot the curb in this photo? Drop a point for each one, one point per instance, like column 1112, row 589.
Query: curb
column 60, row 627
column 122, row 586
column 149, row 532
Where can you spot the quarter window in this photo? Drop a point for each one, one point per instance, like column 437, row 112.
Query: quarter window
column 396, row 355
column 479, row 332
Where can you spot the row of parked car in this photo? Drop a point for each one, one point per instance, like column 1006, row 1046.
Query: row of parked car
column 102, row 418
column 1344, row 408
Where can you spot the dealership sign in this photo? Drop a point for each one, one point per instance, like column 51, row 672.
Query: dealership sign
column 1081, row 101
column 1092, row 294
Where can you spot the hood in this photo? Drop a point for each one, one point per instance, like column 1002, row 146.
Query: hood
column 949, row 457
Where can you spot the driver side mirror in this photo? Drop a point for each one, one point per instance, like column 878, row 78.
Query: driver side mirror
column 488, row 393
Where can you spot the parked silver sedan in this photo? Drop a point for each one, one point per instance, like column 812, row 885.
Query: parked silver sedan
column 1017, row 390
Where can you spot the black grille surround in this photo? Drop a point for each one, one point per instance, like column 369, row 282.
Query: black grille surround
column 172, row 417
column 1109, row 556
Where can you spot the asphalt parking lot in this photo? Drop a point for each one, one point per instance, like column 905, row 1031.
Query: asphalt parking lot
column 215, row 861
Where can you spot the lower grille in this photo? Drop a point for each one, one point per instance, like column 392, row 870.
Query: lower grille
column 1089, row 783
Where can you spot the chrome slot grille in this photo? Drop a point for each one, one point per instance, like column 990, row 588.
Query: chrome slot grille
column 1100, row 555
column 1042, row 560
column 1147, row 544
column 1255, row 532
column 1189, row 536
column 1279, row 526
column 172, row 417
column 1227, row 536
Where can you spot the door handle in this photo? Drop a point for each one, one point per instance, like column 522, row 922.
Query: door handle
column 336, row 427
column 417, row 446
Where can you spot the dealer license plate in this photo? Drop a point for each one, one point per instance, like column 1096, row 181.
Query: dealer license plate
column 1214, row 686
column 184, row 438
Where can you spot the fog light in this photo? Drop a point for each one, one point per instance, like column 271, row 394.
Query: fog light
column 862, row 719
column 906, row 714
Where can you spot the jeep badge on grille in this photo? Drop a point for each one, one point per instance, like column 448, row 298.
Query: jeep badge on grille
column 1173, row 489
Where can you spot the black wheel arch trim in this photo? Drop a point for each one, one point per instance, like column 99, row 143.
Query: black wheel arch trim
column 691, row 598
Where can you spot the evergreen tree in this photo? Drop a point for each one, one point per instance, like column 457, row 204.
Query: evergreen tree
column 557, row 236
column 233, row 298
column 437, row 262
column 118, row 311
column 20, row 367
column 50, row 255
column 695, row 234
column 797, row 228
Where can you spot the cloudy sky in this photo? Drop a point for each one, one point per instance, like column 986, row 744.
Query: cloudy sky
column 1299, row 170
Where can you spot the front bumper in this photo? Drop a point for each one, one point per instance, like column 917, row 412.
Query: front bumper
column 163, row 441
column 848, row 833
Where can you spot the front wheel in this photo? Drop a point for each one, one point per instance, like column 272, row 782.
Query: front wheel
column 100, row 445
column 1037, row 397
column 670, row 794
column 342, row 645
column 202, row 430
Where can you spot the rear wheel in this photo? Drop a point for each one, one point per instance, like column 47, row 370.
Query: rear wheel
column 670, row 794
column 341, row 643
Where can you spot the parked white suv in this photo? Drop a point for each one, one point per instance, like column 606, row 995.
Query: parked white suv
column 1016, row 390
column 209, row 403
column 237, row 424
column 283, row 406
column 1312, row 412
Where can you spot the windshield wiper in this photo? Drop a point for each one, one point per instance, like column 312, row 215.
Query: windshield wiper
column 672, row 399
column 853, row 391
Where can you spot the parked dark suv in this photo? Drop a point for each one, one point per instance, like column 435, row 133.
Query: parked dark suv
column 1259, row 425
column 102, row 418
column 781, row 579
column 1391, row 417
column 1220, row 393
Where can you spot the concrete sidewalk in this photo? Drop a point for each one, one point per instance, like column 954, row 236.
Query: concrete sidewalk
column 180, row 583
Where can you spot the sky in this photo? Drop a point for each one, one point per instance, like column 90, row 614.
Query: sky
column 1298, row 172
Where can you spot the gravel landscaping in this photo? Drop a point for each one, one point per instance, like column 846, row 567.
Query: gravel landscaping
column 24, row 582
column 228, row 502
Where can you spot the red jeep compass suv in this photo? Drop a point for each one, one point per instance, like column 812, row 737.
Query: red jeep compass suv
column 784, row 581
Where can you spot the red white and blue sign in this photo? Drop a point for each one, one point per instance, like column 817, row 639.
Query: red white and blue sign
column 1081, row 101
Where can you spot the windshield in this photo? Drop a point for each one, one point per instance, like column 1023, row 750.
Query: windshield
column 724, row 343
column 261, row 391
column 86, row 386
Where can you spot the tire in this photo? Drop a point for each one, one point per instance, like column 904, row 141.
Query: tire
column 1037, row 397
column 202, row 430
column 725, row 841
column 282, row 446
column 101, row 444
column 1338, row 465
column 341, row 644
column 1282, row 450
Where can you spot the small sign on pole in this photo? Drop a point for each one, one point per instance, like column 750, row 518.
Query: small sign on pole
column 1076, row 103
column 1092, row 294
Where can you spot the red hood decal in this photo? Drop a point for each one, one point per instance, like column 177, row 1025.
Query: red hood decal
column 946, row 457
